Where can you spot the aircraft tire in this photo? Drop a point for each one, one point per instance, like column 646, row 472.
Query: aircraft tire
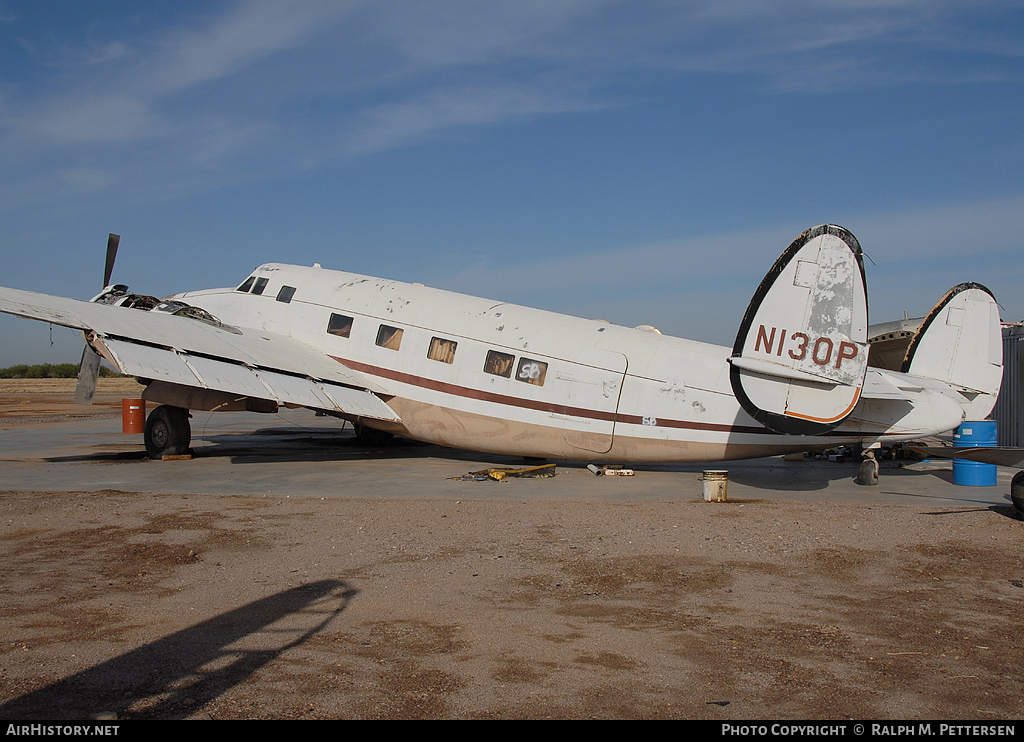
column 1017, row 492
column 168, row 432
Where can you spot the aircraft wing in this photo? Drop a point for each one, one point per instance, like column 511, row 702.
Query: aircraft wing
column 190, row 352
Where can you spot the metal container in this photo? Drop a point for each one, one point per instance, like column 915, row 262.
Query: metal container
column 133, row 416
column 974, row 435
column 716, row 482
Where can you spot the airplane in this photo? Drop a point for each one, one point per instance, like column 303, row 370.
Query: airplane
column 472, row 373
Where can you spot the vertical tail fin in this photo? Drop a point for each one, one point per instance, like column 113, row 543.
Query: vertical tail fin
column 960, row 343
column 800, row 356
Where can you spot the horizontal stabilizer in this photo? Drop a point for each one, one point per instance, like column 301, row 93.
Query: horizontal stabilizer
column 998, row 455
column 778, row 370
column 885, row 386
column 800, row 355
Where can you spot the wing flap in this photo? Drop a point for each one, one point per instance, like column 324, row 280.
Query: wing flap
column 296, row 390
column 324, row 395
column 232, row 377
column 159, row 364
column 358, row 402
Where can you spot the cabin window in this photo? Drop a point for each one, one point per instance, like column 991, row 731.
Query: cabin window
column 246, row 285
column 261, row 283
column 531, row 371
column 340, row 325
column 389, row 337
column 285, row 294
column 499, row 364
column 442, row 350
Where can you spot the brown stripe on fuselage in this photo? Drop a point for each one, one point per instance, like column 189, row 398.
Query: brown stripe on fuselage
column 539, row 405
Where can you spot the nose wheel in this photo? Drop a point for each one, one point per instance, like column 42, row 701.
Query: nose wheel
column 168, row 432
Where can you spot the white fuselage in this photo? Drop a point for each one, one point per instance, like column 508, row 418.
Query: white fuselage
column 489, row 376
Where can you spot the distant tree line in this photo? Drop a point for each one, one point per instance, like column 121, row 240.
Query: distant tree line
column 48, row 371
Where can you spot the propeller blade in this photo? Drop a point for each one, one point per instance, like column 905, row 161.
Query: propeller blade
column 112, row 242
column 85, row 387
column 89, row 370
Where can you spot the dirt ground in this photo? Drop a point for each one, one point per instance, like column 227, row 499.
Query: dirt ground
column 494, row 606
column 27, row 401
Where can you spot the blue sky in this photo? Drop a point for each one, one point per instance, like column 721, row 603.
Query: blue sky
column 642, row 162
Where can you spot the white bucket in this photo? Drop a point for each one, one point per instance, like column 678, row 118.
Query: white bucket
column 716, row 482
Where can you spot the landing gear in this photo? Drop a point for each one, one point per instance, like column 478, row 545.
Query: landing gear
column 168, row 432
column 368, row 436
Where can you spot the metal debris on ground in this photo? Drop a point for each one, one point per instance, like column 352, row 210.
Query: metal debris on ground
column 610, row 471
column 497, row 475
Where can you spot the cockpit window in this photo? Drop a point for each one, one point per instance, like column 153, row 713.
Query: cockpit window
column 169, row 306
column 261, row 283
column 246, row 285
column 285, row 294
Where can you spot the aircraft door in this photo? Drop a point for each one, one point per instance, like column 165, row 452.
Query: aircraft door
column 593, row 385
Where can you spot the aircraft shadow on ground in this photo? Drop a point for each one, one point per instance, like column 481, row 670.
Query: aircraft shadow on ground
column 1006, row 511
column 171, row 677
column 277, row 445
column 289, row 445
column 319, row 445
column 809, row 476
column 297, row 444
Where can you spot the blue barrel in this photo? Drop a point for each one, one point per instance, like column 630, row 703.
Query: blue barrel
column 974, row 435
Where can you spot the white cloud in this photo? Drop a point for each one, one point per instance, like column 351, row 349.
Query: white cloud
column 101, row 119
column 87, row 178
column 404, row 122
column 252, row 31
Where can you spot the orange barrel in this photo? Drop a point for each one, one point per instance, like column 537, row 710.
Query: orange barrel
column 133, row 416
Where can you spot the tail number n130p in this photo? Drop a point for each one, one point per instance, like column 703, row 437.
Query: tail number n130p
column 823, row 350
